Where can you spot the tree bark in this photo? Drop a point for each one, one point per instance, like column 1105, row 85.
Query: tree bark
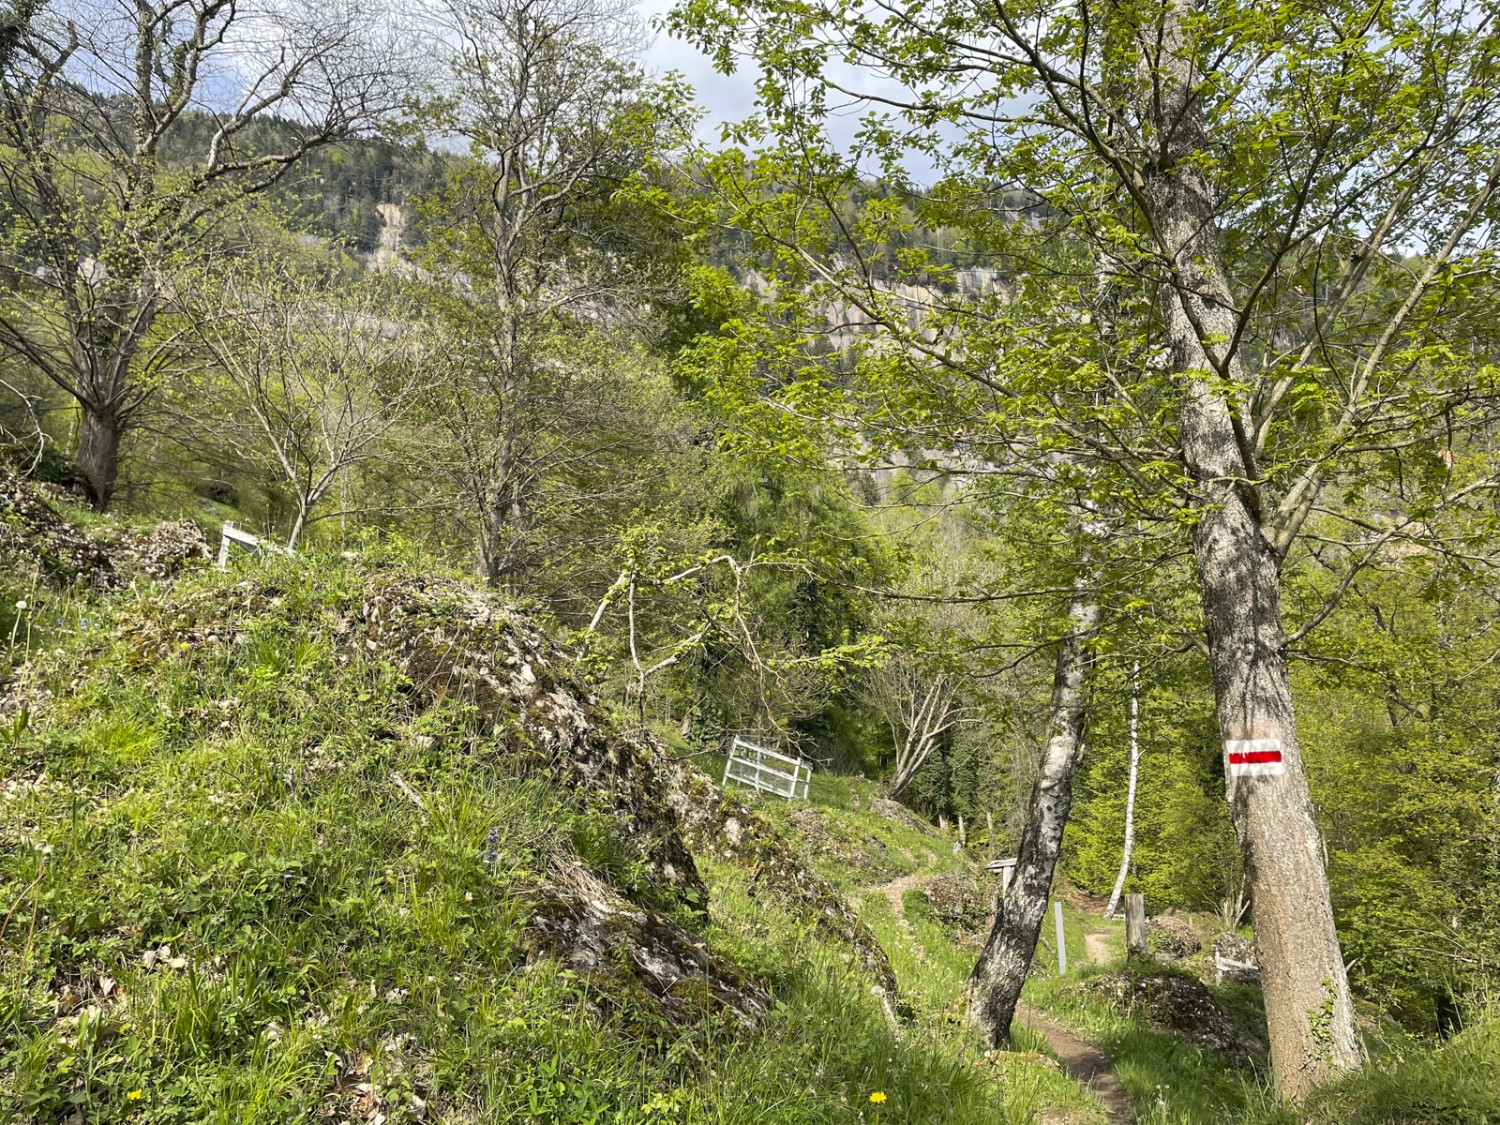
column 995, row 986
column 1135, row 766
column 99, row 452
column 1309, row 1015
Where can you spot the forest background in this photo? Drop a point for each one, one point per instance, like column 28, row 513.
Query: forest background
column 495, row 304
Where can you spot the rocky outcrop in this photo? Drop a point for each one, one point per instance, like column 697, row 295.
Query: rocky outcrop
column 34, row 530
column 896, row 811
column 459, row 645
column 162, row 553
column 1177, row 1003
column 585, row 924
column 960, row 902
column 34, row 533
column 629, row 927
column 1172, row 937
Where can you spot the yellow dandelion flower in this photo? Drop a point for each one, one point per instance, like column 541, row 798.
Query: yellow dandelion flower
column 877, row 1098
column 134, row 1095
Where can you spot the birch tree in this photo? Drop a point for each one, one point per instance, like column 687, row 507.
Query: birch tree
column 1132, row 776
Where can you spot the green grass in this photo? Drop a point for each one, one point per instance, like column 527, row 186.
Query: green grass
column 862, row 847
column 219, row 906
column 1176, row 1083
column 932, row 972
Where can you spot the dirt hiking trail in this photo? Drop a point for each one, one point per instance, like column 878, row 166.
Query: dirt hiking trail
column 1083, row 1062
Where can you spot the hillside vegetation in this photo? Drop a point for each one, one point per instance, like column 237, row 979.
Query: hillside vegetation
column 1068, row 433
column 337, row 837
column 342, row 838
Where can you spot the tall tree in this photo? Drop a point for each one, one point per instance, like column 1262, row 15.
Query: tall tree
column 103, row 197
column 1290, row 209
column 559, row 119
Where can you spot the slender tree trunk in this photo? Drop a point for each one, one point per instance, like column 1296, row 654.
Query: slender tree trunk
column 99, row 452
column 489, row 545
column 995, row 986
column 299, row 523
column 1309, row 1015
column 1135, row 765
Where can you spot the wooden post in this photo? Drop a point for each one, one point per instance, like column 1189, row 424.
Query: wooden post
column 1135, row 925
column 1062, row 944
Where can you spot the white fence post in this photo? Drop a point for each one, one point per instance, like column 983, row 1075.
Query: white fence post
column 1062, row 944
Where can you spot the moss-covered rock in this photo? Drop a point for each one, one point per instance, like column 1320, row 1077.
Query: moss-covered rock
column 33, row 532
column 586, row 925
column 1177, row 1003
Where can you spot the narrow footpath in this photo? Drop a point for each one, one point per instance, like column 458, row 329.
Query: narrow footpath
column 1083, row 1062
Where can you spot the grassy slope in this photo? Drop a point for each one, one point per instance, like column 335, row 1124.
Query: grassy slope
column 321, row 947
column 218, row 904
column 1171, row 1081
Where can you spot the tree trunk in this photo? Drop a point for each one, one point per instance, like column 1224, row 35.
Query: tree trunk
column 299, row 523
column 1309, row 1015
column 99, row 452
column 995, row 986
column 1135, row 766
column 1135, row 926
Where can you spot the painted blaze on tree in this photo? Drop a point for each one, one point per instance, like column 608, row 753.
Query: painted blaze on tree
column 1247, row 257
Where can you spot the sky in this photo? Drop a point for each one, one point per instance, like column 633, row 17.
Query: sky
column 731, row 97
column 726, row 97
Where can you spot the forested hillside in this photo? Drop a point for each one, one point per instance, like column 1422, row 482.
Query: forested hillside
column 1087, row 462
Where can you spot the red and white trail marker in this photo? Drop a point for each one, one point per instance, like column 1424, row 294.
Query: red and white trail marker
column 1253, row 757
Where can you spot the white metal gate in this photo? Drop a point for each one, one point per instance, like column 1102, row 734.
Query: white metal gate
column 238, row 537
column 765, row 769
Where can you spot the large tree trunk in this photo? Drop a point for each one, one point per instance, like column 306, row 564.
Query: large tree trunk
column 1308, row 1011
column 1135, row 769
column 995, row 985
column 1309, row 1015
column 99, row 452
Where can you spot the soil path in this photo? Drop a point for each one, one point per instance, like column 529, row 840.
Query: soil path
column 895, row 891
column 895, row 894
column 1084, row 1063
column 1098, row 949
